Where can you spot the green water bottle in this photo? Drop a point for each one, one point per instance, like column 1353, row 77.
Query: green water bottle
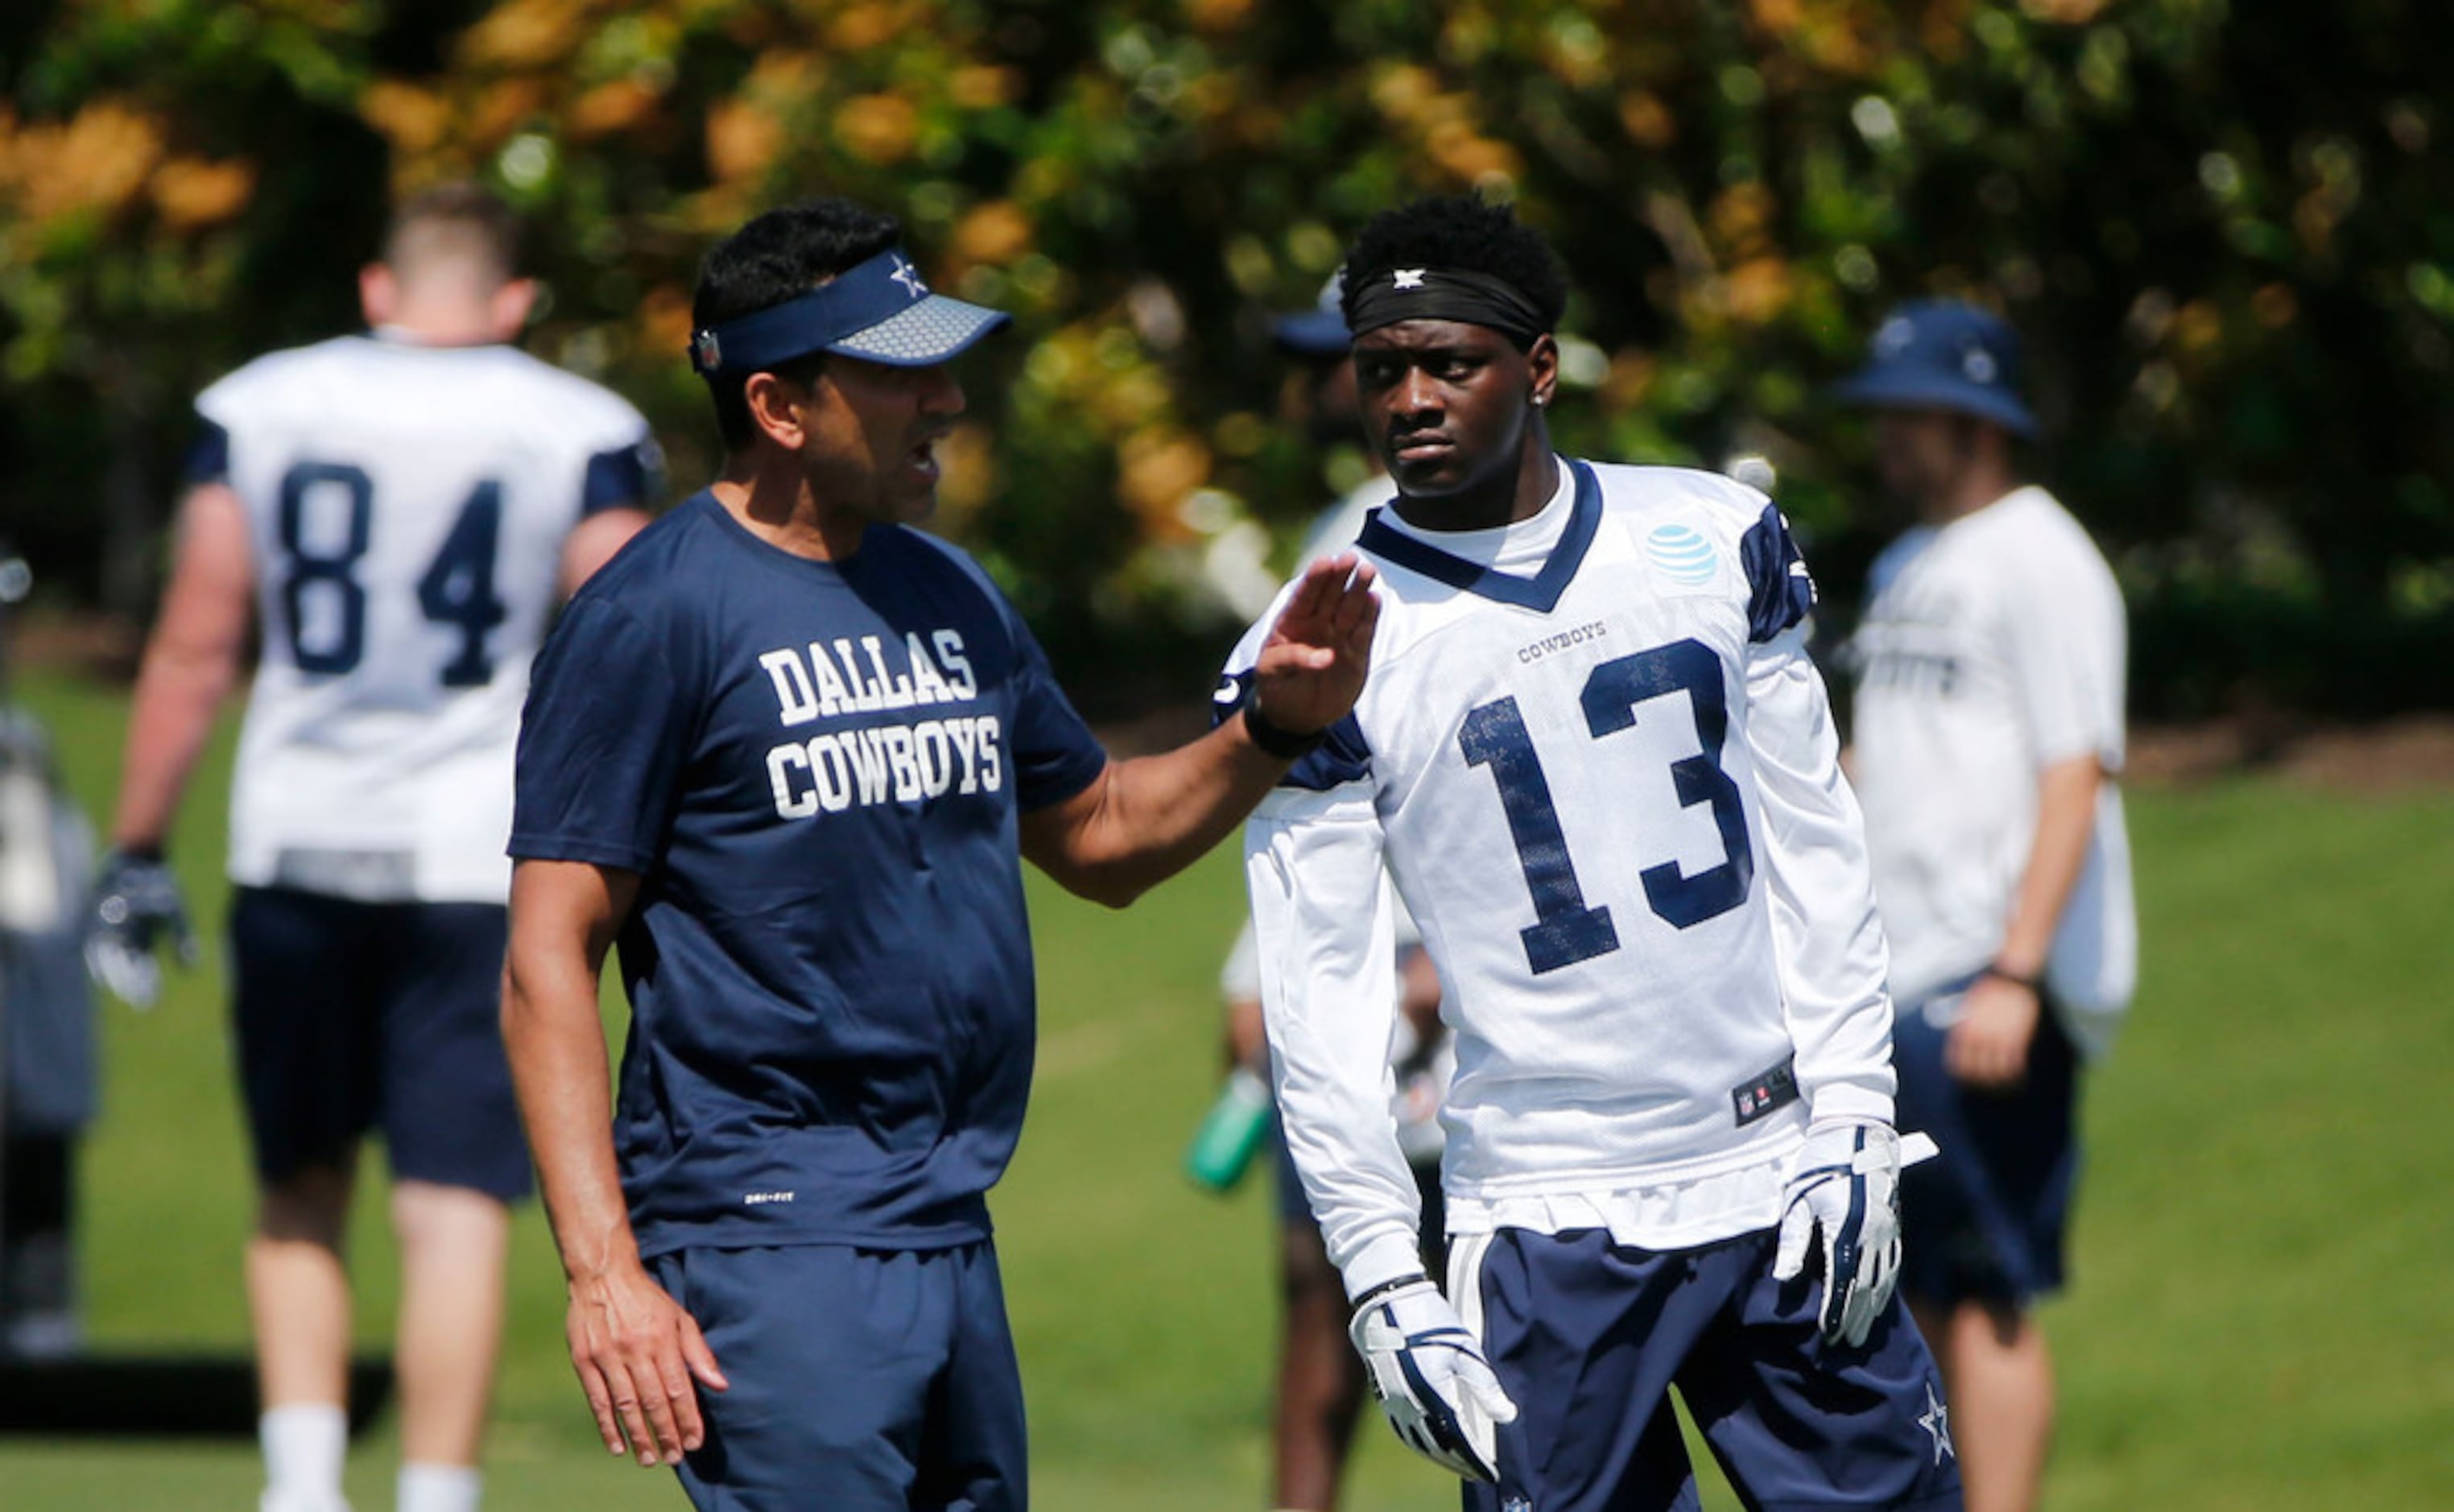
column 1231, row 1131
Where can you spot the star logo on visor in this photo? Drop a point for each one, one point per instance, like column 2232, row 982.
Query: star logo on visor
column 1406, row 278
column 905, row 275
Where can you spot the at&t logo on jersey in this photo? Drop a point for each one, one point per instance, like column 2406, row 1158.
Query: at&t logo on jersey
column 1681, row 557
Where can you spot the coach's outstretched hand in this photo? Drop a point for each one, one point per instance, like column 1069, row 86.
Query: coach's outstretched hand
column 1845, row 1186
column 1431, row 1378
column 136, row 906
column 637, row 1352
column 1312, row 667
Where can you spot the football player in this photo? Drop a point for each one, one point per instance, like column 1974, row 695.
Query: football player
column 399, row 512
column 1599, row 764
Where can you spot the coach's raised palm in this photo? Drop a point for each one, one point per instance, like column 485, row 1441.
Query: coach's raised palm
column 1313, row 665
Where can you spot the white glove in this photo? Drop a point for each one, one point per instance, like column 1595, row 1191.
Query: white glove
column 1431, row 1378
column 1846, row 1185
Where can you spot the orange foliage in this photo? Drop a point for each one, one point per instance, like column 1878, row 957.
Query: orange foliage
column 2065, row 13
column 664, row 321
column 1156, row 466
column 524, row 35
column 968, row 480
column 1468, row 154
column 1217, row 16
column 2197, row 327
column 859, row 28
column 1648, row 122
column 98, row 160
column 742, row 139
column 413, row 120
column 877, row 127
column 501, row 109
column 1740, row 218
column 997, row 232
column 1758, row 290
column 193, row 193
column 609, row 108
column 984, row 87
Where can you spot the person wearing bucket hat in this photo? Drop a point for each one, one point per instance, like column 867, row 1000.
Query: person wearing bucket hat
column 791, row 752
column 1988, row 730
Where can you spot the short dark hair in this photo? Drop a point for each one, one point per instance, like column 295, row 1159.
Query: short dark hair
column 780, row 255
column 1460, row 231
column 454, row 221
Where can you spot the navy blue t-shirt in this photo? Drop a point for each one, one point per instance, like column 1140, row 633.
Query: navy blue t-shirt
column 815, row 768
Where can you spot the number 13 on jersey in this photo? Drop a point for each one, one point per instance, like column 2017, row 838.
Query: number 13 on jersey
column 1566, row 930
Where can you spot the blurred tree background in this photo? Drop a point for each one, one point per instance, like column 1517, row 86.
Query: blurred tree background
column 2226, row 228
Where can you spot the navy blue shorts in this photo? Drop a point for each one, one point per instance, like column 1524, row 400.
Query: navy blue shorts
column 1985, row 1221
column 1587, row 1338
column 862, row 1381
column 353, row 1017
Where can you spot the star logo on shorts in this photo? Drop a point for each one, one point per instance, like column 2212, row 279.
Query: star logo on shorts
column 1936, row 1420
column 908, row 278
column 1516, row 1503
column 1406, row 277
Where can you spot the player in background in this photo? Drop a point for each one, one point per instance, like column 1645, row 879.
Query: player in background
column 398, row 513
column 792, row 752
column 1599, row 766
column 1988, row 731
column 1321, row 1383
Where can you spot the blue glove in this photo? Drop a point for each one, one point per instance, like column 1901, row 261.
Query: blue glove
column 1431, row 1378
column 1845, row 1187
column 136, row 905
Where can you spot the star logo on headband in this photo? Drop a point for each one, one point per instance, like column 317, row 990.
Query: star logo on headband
column 1406, row 277
column 908, row 278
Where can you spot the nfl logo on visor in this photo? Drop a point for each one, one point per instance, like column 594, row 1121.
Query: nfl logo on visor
column 708, row 353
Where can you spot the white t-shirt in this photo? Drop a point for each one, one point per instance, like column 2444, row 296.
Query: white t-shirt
column 407, row 508
column 1993, row 647
column 1601, row 769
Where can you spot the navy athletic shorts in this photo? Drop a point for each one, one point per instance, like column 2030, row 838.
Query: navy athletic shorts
column 1587, row 1338
column 862, row 1381
column 1985, row 1221
column 354, row 1016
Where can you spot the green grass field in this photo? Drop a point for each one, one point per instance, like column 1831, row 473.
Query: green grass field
column 2257, row 1320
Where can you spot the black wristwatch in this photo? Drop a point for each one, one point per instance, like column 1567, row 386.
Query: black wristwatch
column 2000, row 972
column 1284, row 744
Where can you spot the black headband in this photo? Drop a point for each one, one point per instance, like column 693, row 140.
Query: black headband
column 1444, row 293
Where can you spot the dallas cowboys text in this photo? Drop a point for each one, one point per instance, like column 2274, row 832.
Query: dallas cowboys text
column 900, row 763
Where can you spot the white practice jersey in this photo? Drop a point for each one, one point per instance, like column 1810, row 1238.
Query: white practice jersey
column 407, row 508
column 1992, row 648
column 1599, row 765
column 1421, row 1080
